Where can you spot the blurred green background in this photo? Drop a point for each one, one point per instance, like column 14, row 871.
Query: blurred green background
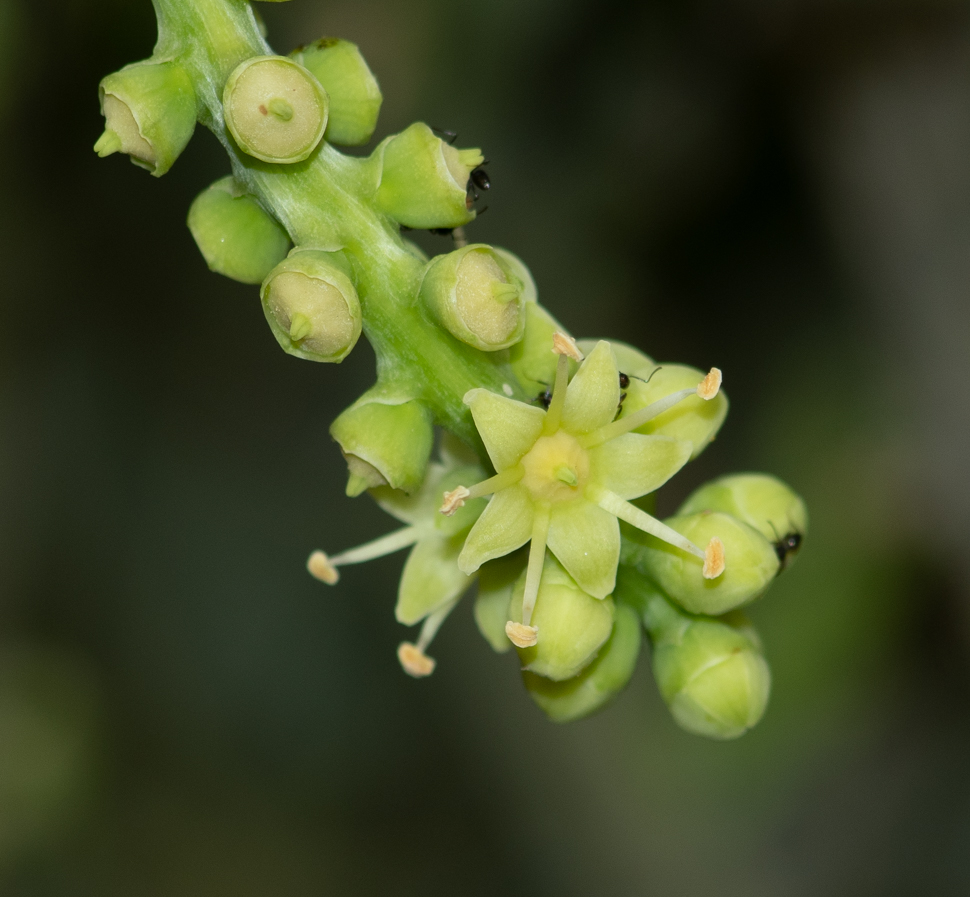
column 777, row 187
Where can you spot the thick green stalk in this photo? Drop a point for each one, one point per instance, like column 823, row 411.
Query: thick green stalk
column 319, row 202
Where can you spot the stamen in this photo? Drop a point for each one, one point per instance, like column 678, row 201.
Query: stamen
column 708, row 388
column 520, row 635
column 714, row 559
column 533, row 576
column 415, row 662
column 562, row 344
column 457, row 497
column 611, row 502
column 637, row 419
column 323, row 567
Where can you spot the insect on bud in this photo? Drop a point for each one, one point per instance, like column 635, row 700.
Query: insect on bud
column 150, row 112
column 355, row 98
column 275, row 109
column 572, row 625
column 600, row 682
column 761, row 501
column 746, row 559
column 236, row 236
column 384, row 443
column 312, row 306
column 473, row 293
column 424, row 181
column 696, row 419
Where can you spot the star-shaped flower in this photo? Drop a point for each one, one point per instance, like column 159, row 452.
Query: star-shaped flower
column 432, row 583
column 566, row 475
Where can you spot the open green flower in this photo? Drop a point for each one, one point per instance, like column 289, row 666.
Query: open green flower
column 566, row 474
column 432, row 583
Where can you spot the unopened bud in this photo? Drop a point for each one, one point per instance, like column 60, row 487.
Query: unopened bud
column 424, row 181
column 694, row 419
column 761, row 501
column 311, row 306
column 150, row 114
column 600, row 682
column 236, row 236
column 746, row 559
column 572, row 625
column 355, row 98
column 473, row 293
column 392, row 440
column 275, row 109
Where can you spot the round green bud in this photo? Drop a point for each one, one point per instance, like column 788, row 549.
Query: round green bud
column 529, row 291
column 275, row 109
column 474, row 294
column 385, row 443
column 424, row 181
column 761, row 501
column 694, row 419
column 572, row 625
column 355, row 98
column 750, row 563
column 311, row 305
column 236, row 236
column 600, row 682
column 712, row 676
column 532, row 363
column 150, row 113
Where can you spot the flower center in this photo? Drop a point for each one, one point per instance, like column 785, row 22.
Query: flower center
column 556, row 468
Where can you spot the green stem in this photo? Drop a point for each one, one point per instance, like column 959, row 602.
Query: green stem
column 324, row 202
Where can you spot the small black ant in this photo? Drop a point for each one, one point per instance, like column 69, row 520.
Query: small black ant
column 545, row 397
column 786, row 546
column 477, row 180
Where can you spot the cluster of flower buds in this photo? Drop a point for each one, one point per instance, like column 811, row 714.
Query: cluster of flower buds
column 550, row 449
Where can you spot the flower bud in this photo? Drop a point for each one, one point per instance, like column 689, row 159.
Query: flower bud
column 694, row 419
column 312, row 306
column 520, row 271
column 761, row 501
column 384, row 443
column 150, row 113
column 473, row 293
column 600, row 682
column 750, row 562
column 712, row 676
column 355, row 98
column 275, row 109
column 424, row 181
column 572, row 625
column 532, row 362
column 236, row 236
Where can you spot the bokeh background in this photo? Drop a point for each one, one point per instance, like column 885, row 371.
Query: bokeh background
column 778, row 187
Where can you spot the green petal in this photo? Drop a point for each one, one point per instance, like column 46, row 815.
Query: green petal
column 496, row 580
column 414, row 508
column 586, row 541
column 507, row 427
column 505, row 525
column 594, row 393
column 633, row 465
column 431, row 579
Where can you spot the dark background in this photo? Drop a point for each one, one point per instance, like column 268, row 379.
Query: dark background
column 777, row 187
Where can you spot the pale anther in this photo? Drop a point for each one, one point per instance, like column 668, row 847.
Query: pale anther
column 320, row 567
column 454, row 500
column 566, row 345
column 415, row 662
column 714, row 559
column 520, row 635
column 709, row 387
column 507, row 389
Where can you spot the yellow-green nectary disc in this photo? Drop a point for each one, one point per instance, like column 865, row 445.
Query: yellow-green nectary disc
column 275, row 108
